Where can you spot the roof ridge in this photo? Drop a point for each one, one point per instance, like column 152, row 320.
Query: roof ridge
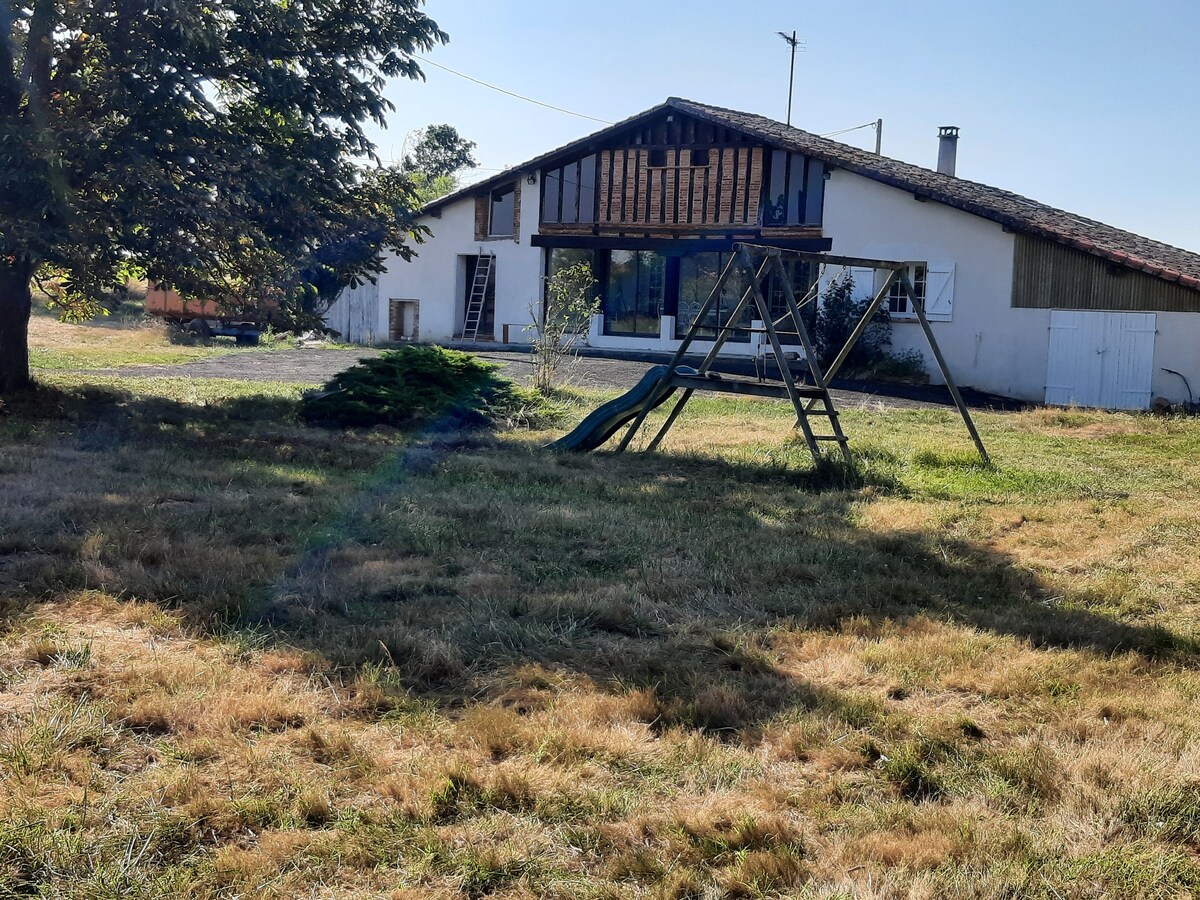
column 1008, row 208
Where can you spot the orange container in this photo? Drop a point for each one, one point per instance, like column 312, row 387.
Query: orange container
column 168, row 304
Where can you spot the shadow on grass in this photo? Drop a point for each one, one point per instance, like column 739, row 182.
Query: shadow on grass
column 663, row 573
column 460, row 561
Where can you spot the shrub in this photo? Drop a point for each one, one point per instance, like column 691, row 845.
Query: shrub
column 906, row 364
column 837, row 315
column 419, row 385
column 563, row 321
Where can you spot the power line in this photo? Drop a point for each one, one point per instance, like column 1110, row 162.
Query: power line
column 848, row 130
column 510, row 93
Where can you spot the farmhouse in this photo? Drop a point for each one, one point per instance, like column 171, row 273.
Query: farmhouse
column 1027, row 301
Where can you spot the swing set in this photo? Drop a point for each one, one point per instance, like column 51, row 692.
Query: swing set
column 810, row 400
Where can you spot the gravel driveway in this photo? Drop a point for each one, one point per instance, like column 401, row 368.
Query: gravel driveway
column 316, row 366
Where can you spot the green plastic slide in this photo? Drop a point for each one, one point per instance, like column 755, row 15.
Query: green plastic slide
column 606, row 420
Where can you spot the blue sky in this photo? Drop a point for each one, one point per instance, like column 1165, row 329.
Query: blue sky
column 1090, row 106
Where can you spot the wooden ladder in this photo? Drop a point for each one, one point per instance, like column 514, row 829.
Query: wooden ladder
column 820, row 395
column 484, row 266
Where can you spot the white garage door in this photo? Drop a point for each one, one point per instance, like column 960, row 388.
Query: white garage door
column 1103, row 359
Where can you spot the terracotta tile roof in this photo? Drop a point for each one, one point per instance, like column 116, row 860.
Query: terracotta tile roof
column 1011, row 210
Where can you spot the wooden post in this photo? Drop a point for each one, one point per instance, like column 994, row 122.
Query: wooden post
column 919, row 306
column 764, row 313
column 814, row 367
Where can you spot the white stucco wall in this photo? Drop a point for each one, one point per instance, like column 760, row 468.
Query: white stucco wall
column 1177, row 346
column 435, row 277
column 987, row 344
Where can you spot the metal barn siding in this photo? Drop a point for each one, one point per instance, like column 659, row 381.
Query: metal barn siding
column 1100, row 359
column 1050, row 276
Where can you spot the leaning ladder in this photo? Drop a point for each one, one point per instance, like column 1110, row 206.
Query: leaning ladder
column 484, row 266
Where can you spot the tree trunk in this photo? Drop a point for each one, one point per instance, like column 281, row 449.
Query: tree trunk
column 16, row 301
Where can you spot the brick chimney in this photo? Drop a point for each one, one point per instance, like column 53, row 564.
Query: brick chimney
column 947, row 149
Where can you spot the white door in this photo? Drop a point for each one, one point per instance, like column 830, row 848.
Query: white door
column 362, row 313
column 1102, row 359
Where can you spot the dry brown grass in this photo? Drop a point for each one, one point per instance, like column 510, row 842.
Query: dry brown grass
column 106, row 343
column 247, row 658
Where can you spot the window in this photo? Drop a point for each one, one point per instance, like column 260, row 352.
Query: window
column 698, row 273
column 569, row 192
column 801, row 275
column 634, row 292
column 504, row 205
column 657, row 159
column 793, row 191
column 898, row 304
column 700, row 157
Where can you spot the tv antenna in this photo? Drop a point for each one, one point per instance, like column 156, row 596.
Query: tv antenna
column 796, row 43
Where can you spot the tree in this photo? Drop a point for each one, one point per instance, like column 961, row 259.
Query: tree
column 211, row 142
column 440, row 151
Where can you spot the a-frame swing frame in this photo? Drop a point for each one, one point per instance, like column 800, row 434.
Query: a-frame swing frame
column 808, row 401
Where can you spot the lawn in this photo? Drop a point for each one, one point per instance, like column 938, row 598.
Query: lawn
column 125, row 341
column 109, row 343
column 243, row 657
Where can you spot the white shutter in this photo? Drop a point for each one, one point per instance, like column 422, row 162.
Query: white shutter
column 864, row 283
column 939, row 292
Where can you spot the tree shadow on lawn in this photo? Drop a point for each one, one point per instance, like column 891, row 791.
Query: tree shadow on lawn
column 666, row 573
column 467, row 558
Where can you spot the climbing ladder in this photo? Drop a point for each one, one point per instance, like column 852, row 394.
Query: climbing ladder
column 485, row 265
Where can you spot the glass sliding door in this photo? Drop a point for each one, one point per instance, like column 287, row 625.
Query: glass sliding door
column 633, row 300
column 698, row 274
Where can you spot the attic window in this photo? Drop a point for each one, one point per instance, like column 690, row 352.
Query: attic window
column 569, row 193
column 503, row 206
column 793, row 190
column 700, row 157
column 658, row 159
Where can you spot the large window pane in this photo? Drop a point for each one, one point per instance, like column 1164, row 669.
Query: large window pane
column 814, row 193
column 587, row 189
column 652, row 277
column 698, row 273
column 570, row 200
column 775, row 205
column 634, row 297
column 795, row 212
column 551, row 185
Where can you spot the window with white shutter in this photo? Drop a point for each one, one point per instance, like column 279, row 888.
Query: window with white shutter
column 864, row 283
column 934, row 285
column 939, row 292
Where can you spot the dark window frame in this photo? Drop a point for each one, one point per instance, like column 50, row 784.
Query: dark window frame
column 607, row 329
column 570, row 193
column 495, row 198
column 795, row 200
